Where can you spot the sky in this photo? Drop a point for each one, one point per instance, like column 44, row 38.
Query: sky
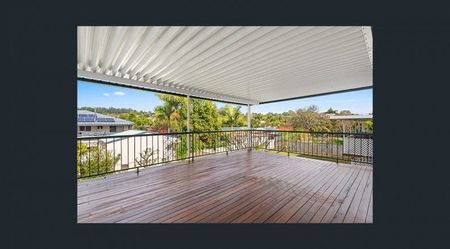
column 100, row 95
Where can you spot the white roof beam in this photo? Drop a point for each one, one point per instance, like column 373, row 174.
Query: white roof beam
column 162, row 87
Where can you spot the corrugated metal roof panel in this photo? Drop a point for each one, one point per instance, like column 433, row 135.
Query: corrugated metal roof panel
column 239, row 64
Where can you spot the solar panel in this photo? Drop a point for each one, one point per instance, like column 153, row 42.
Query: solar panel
column 105, row 119
column 92, row 118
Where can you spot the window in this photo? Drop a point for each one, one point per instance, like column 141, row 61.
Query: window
column 81, row 128
column 88, row 128
column 100, row 127
column 112, row 129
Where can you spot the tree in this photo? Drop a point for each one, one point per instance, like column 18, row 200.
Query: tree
column 172, row 114
column 141, row 121
column 331, row 111
column 94, row 160
column 204, row 115
column 168, row 114
column 368, row 125
column 345, row 112
column 145, row 158
column 232, row 116
column 309, row 119
column 258, row 120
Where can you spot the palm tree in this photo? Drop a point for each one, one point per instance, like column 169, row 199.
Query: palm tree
column 162, row 115
column 169, row 113
column 233, row 116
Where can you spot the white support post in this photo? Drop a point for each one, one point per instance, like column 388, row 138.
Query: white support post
column 249, row 126
column 188, row 124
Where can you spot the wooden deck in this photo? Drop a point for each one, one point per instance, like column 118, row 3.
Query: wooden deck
column 243, row 187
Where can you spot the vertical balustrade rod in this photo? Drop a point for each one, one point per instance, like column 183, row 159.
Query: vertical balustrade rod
column 106, row 154
column 193, row 146
column 288, row 143
column 80, row 162
column 153, row 151
column 188, row 123
column 337, row 147
column 134, row 155
column 157, row 146
column 98, row 156
column 249, row 126
column 89, row 156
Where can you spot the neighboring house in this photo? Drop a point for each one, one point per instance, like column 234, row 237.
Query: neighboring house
column 95, row 124
column 358, row 121
column 354, row 144
column 135, row 142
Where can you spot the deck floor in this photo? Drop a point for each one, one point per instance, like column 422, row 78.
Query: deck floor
column 243, row 187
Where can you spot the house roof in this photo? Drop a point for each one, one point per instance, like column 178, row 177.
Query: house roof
column 130, row 133
column 239, row 64
column 88, row 118
column 352, row 117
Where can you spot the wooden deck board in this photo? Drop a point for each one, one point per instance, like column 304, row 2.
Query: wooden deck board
column 243, row 187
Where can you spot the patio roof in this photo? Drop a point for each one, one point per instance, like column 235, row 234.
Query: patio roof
column 246, row 65
column 352, row 117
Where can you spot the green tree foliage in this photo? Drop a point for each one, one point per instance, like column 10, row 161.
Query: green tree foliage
column 141, row 121
column 259, row 120
column 169, row 115
column 94, row 160
column 309, row 119
column 204, row 116
column 368, row 125
column 270, row 119
column 345, row 112
column 145, row 158
column 232, row 116
column 172, row 115
column 331, row 111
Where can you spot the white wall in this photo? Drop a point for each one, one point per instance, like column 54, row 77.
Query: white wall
column 130, row 147
column 105, row 130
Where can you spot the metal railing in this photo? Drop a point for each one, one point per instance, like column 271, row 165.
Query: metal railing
column 101, row 155
column 352, row 148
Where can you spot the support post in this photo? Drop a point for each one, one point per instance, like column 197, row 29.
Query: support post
column 188, row 125
column 249, row 126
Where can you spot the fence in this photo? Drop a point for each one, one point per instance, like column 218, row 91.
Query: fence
column 106, row 154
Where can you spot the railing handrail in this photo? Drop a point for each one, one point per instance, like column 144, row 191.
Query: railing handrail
column 336, row 146
column 227, row 131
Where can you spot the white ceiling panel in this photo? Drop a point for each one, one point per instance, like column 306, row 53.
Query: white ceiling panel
column 248, row 64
